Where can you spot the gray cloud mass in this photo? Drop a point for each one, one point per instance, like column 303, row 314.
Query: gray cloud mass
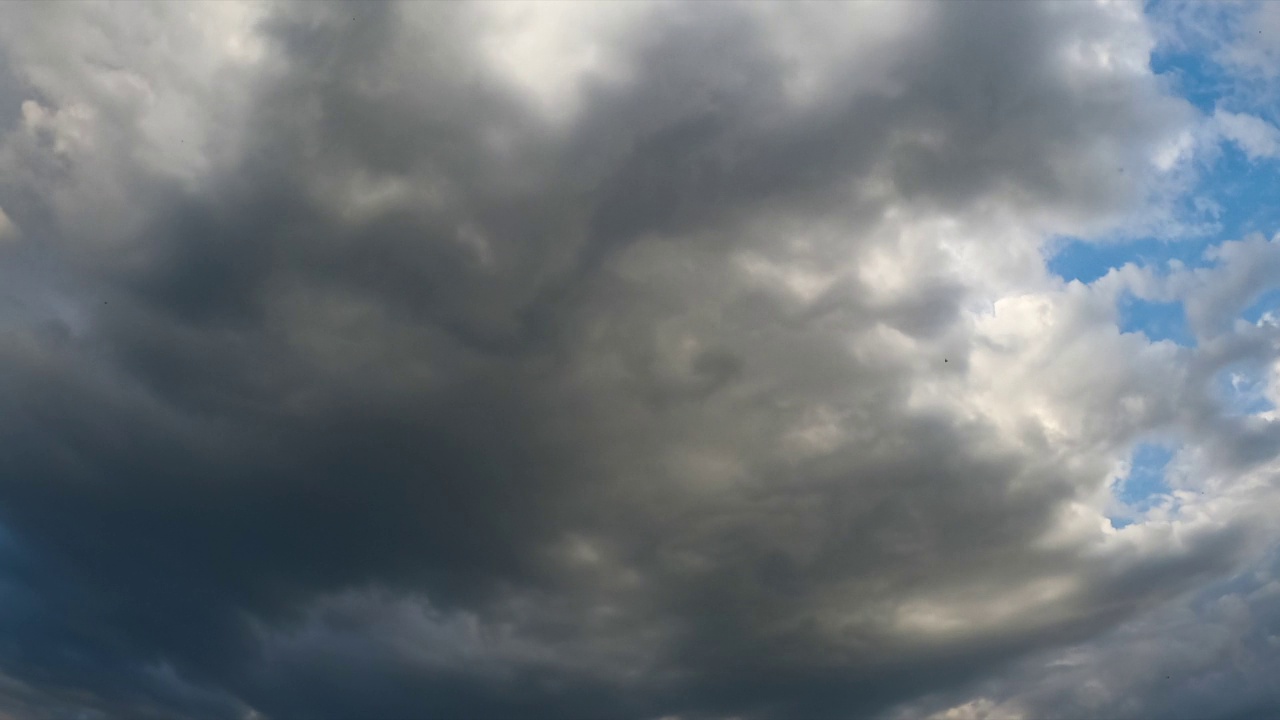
column 584, row 361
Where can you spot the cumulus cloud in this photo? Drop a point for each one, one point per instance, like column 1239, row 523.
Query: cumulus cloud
column 1254, row 48
column 596, row 361
column 1255, row 136
column 1209, row 654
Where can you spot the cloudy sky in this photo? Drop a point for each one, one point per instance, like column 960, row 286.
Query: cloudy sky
column 640, row 360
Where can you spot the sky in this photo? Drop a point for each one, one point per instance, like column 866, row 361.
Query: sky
column 660, row 360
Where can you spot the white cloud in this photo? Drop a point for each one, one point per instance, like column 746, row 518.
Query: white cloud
column 8, row 231
column 980, row 709
column 1258, row 138
column 1253, row 48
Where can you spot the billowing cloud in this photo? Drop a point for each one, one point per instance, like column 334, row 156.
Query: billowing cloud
column 1255, row 136
column 543, row 360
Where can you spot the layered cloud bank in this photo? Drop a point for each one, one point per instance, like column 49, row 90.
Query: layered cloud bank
column 631, row 360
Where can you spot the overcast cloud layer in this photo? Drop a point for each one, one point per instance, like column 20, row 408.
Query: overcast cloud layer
column 689, row 360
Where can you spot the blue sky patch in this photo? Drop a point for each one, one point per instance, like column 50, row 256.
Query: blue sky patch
column 1247, row 191
column 1241, row 388
column 1146, row 477
column 1238, row 194
column 1156, row 320
column 1087, row 261
column 1269, row 301
column 1145, row 483
column 1191, row 76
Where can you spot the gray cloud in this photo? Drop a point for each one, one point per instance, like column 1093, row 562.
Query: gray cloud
column 401, row 395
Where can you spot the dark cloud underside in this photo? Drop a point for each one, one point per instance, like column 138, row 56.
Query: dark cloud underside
column 421, row 401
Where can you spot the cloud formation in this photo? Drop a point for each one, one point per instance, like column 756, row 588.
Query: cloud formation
column 523, row 360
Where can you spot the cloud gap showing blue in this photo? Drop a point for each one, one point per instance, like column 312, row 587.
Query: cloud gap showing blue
column 1145, row 484
column 1240, row 387
column 1267, row 302
column 1157, row 320
column 1233, row 191
column 1086, row 261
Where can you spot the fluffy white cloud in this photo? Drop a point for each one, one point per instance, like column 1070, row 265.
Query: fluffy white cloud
column 1258, row 138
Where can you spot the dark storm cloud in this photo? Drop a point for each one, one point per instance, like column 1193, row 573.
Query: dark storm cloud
column 392, row 418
